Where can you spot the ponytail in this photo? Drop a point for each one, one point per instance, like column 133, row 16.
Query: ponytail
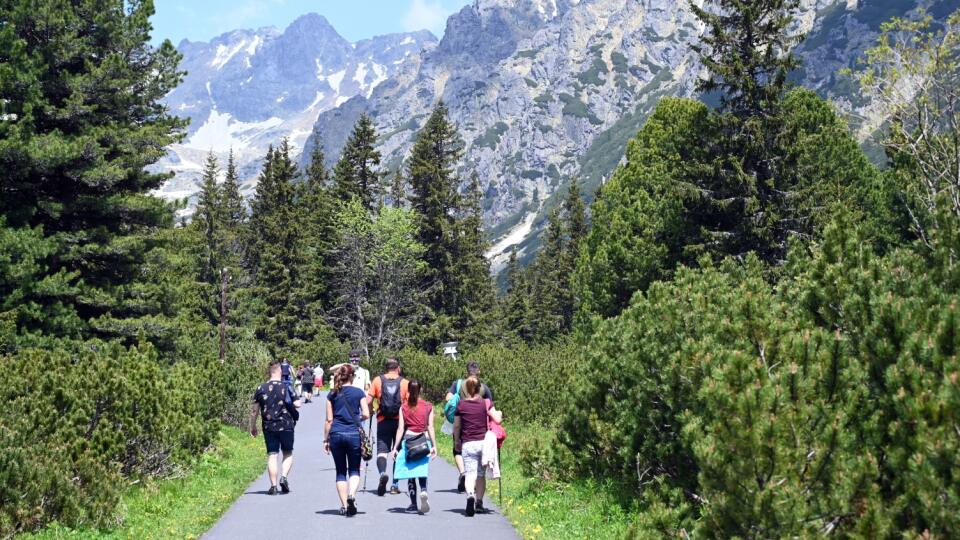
column 413, row 393
column 343, row 377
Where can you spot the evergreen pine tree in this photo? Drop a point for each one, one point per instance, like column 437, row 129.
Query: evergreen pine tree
column 274, row 226
column 233, row 211
column 476, row 296
column 82, row 87
column 435, row 199
column 317, row 217
column 207, row 221
column 746, row 54
column 357, row 173
column 547, row 283
column 398, row 190
column 516, row 302
column 575, row 229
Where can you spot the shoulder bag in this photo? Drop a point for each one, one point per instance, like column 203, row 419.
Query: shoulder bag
column 366, row 452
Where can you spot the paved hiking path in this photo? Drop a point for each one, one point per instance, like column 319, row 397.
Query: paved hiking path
column 311, row 509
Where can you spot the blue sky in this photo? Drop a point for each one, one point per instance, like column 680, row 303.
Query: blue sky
column 200, row 20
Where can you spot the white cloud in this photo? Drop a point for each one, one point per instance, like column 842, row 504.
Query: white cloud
column 429, row 14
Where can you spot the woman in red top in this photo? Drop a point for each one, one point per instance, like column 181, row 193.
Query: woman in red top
column 469, row 429
column 416, row 418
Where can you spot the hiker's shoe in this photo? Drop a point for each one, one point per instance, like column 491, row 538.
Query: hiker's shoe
column 351, row 506
column 343, row 510
column 272, row 490
column 462, row 484
column 382, row 486
column 394, row 489
column 424, row 502
column 412, row 508
column 480, row 508
column 471, row 506
column 284, row 484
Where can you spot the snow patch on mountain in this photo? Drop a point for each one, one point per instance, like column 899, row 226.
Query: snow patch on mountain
column 335, row 80
column 248, row 89
column 225, row 53
column 221, row 132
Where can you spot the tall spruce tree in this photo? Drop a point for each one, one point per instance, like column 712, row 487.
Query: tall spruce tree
column 476, row 295
column 548, row 282
column 233, row 211
column 208, row 222
column 575, row 229
column 278, row 258
column 357, row 172
column 434, row 197
column 515, row 305
column 747, row 56
column 318, row 222
column 83, row 118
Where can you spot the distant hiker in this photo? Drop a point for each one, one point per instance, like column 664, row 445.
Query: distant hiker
column 415, row 446
column 469, row 431
column 278, row 413
column 346, row 410
column 286, row 375
column 361, row 378
column 391, row 390
column 455, row 393
column 306, row 377
column 317, row 379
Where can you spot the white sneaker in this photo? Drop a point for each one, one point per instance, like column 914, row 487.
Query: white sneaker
column 424, row 502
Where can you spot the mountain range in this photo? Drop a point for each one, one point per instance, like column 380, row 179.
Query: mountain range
column 543, row 91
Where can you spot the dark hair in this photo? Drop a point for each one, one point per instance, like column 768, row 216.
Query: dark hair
column 343, row 377
column 413, row 392
column 472, row 386
column 391, row 364
column 273, row 364
column 354, row 353
column 473, row 369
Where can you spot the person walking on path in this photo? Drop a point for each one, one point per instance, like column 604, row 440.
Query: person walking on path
column 306, row 377
column 457, row 390
column 415, row 429
column 390, row 390
column 361, row 377
column 278, row 413
column 286, row 375
column 346, row 409
column 469, row 431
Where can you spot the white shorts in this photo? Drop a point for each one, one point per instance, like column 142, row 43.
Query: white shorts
column 472, row 455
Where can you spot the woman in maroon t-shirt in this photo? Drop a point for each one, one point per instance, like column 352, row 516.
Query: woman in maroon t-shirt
column 469, row 429
column 416, row 418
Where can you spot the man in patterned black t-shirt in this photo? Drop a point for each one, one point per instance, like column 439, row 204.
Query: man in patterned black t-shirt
column 277, row 409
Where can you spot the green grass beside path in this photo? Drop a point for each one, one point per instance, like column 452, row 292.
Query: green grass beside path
column 544, row 509
column 181, row 507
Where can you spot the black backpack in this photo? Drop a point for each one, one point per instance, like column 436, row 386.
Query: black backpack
column 390, row 396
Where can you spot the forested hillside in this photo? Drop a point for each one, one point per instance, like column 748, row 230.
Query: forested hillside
column 756, row 337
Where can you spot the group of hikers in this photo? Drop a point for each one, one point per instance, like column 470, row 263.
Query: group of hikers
column 405, row 431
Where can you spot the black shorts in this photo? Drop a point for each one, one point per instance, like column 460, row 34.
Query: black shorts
column 307, row 388
column 278, row 440
column 387, row 434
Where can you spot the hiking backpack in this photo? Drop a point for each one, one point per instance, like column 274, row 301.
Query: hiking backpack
column 390, row 396
column 450, row 409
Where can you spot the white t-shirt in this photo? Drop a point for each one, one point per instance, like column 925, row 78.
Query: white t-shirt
column 361, row 377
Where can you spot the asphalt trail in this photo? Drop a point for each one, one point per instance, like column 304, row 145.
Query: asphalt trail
column 311, row 509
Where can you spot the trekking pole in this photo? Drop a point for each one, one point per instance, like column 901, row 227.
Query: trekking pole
column 500, row 479
column 366, row 465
